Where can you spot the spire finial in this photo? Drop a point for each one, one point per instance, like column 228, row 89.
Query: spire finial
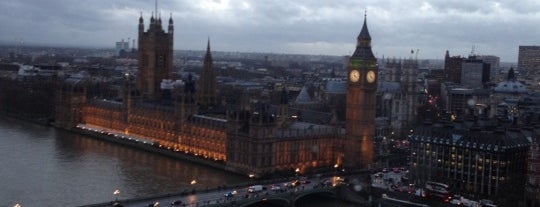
column 365, row 13
column 208, row 44
column 156, row 8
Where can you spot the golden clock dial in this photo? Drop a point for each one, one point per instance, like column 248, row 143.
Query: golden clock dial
column 354, row 76
column 370, row 76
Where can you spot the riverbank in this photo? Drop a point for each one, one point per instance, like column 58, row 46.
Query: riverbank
column 149, row 146
column 144, row 146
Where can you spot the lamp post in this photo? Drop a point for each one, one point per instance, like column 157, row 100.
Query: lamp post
column 193, row 183
column 116, row 193
column 251, row 176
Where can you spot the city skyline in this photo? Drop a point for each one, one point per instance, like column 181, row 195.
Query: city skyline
column 299, row 27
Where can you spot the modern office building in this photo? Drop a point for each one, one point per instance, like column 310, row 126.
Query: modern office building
column 494, row 64
column 474, row 73
column 476, row 157
column 529, row 59
column 532, row 185
column 121, row 47
column 452, row 67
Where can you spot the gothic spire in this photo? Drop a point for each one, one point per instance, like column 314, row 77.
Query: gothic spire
column 208, row 56
column 363, row 43
column 364, row 34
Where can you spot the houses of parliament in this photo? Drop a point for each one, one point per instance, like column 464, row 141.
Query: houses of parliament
column 248, row 139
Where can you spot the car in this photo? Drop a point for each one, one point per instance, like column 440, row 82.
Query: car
column 156, row 204
column 275, row 188
column 176, row 203
column 456, row 201
column 230, row 194
column 255, row 188
column 117, row 204
column 295, row 183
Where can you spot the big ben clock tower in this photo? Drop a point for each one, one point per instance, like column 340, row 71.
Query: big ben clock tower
column 360, row 108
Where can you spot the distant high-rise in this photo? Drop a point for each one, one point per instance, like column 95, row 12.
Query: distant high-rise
column 529, row 59
column 494, row 63
column 155, row 57
column 474, row 72
column 452, row 68
column 121, row 46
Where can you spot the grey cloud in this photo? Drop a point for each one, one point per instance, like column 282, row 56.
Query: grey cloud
column 497, row 27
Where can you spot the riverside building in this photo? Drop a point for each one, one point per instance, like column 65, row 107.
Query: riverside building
column 252, row 139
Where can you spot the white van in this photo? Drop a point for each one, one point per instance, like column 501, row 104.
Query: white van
column 255, row 188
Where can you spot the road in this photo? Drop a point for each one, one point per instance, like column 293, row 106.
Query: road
column 201, row 198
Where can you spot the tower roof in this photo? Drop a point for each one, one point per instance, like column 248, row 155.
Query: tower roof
column 364, row 33
column 363, row 44
column 208, row 56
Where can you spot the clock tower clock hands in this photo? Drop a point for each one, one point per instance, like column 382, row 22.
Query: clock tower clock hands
column 354, row 75
column 370, row 76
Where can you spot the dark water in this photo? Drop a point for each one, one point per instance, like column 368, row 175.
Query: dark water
column 43, row 166
column 324, row 202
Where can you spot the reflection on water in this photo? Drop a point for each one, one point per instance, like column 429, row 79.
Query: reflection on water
column 324, row 202
column 42, row 166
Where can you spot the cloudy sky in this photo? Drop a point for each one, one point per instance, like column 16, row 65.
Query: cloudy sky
column 327, row 27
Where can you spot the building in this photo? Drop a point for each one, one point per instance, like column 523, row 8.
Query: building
column 121, row 47
column 155, row 57
column 477, row 158
column 529, row 59
column 532, row 185
column 474, row 73
column 398, row 96
column 255, row 139
column 494, row 64
column 206, row 93
column 452, row 68
column 360, row 107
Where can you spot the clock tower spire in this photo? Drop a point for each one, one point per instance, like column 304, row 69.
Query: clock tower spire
column 360, row 108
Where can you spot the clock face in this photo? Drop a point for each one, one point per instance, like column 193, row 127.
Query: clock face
column 354, row 76
column 370, row 76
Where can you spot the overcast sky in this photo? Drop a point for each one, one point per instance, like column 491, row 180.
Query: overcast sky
column 327, row 27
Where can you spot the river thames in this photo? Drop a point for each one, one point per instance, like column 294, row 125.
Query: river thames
column 44, row 166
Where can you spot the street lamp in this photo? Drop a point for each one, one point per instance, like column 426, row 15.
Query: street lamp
column 116, row 193
column 193, row 182
column 17, row 205
column 251, row 176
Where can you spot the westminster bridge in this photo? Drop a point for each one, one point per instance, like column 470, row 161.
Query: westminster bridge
column 288, row 194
